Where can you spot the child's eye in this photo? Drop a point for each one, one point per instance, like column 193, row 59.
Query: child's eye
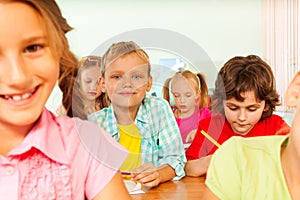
column 136, row 77
column 33, row 48
column 233, row 108
column 188, row 95
column 252, row 109
column 176, row 95
column 116, row 77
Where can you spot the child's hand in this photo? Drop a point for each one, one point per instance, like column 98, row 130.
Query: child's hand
column 147, row 174
column 292, row 97
column 190, row 137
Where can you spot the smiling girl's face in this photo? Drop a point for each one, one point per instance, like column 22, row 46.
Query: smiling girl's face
column 28, row 68
column 242, row 116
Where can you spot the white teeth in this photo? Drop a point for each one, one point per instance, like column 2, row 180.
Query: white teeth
column 18, row 97
column 26, row 95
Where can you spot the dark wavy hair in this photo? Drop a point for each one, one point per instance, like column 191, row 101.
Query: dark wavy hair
column 242, row 74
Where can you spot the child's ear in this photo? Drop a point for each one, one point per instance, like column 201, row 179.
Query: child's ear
column 293, row 91
column 101, row 83
column 149, row 84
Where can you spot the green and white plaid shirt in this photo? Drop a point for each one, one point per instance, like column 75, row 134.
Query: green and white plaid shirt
column 161, row 142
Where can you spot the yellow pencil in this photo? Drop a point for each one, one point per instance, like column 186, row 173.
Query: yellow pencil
column 210, row 138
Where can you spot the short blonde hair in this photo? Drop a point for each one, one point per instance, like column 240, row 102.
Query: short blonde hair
column 120, row 49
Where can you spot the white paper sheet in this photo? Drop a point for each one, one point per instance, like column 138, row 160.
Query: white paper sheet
column 133, row 188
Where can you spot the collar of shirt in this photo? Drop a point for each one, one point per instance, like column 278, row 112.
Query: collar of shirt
column 44, row 136
column 141, row 117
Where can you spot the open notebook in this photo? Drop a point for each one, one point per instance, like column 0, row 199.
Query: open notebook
column 133, row 187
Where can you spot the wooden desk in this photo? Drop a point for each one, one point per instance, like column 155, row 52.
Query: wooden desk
column 186, row 188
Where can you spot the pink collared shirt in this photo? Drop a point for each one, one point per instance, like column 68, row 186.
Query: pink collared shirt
column 60, row 158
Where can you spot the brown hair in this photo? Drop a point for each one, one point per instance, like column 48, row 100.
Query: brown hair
column 120, row 49
column 196, row 80
column 85, row 63
column 56, row 26
column 78, row 103
column 51, row 7
column 101, row 101
column 242, row 74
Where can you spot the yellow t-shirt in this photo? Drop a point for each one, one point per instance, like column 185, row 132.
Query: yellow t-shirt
column 131, row 139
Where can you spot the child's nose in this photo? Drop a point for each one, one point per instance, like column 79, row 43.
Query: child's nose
column 16, row 70
column 94, row 86
column 242, row 115
column 182, row 99
column 127, row 82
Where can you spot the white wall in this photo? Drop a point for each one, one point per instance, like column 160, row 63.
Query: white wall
column 223, row 28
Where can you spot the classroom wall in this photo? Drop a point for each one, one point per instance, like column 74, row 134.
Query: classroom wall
column 220, row 28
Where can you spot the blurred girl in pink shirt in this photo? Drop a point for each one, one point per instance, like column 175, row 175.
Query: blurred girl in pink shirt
column 190, row 93
column 41, row 156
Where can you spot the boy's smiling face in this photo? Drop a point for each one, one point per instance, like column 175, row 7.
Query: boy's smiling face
column 126, row 81
column 242, row 116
